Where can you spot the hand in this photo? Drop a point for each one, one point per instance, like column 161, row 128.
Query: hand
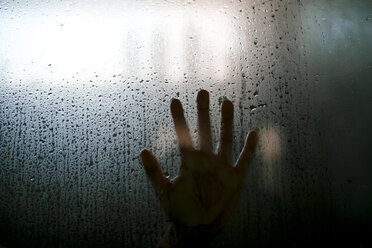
column 207, row 185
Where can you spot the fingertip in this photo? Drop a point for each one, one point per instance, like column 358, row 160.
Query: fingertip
column 252, row 139
column 227, row 109
column 148, row 161
column 253, row 135
column 227, row 104
column 175, row 105
column 144, row 153
column 202, row 98
column 203, row 94
column 248, row 150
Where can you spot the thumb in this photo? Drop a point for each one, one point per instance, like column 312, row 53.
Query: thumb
column 154, row 172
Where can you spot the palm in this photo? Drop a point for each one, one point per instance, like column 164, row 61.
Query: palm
column 204, row 189
column 207, row 184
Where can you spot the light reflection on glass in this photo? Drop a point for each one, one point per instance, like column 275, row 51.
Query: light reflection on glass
column 130, row 42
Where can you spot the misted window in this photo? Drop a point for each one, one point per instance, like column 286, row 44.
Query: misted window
column 86, row 85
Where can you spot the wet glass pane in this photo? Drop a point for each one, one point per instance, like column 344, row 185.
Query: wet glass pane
column 86, row 85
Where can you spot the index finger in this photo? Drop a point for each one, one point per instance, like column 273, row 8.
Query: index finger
column 182, row 130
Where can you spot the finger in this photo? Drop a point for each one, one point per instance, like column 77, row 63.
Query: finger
column 154, row 173
column 246, row 155
column 205, row 136
column 227, row 115
column 182, row 130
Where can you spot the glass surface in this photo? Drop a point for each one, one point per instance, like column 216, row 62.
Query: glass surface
column 86, row 85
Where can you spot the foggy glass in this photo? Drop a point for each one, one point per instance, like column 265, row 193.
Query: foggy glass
column 86, row 85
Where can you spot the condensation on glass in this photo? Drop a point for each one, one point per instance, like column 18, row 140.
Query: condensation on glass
column 86, row 85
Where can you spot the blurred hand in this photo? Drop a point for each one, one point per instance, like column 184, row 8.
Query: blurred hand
column 207, row 185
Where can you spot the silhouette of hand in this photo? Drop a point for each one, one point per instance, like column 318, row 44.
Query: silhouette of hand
column 207, row 185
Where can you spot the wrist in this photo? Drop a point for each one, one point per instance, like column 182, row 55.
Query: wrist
column 179, row 236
